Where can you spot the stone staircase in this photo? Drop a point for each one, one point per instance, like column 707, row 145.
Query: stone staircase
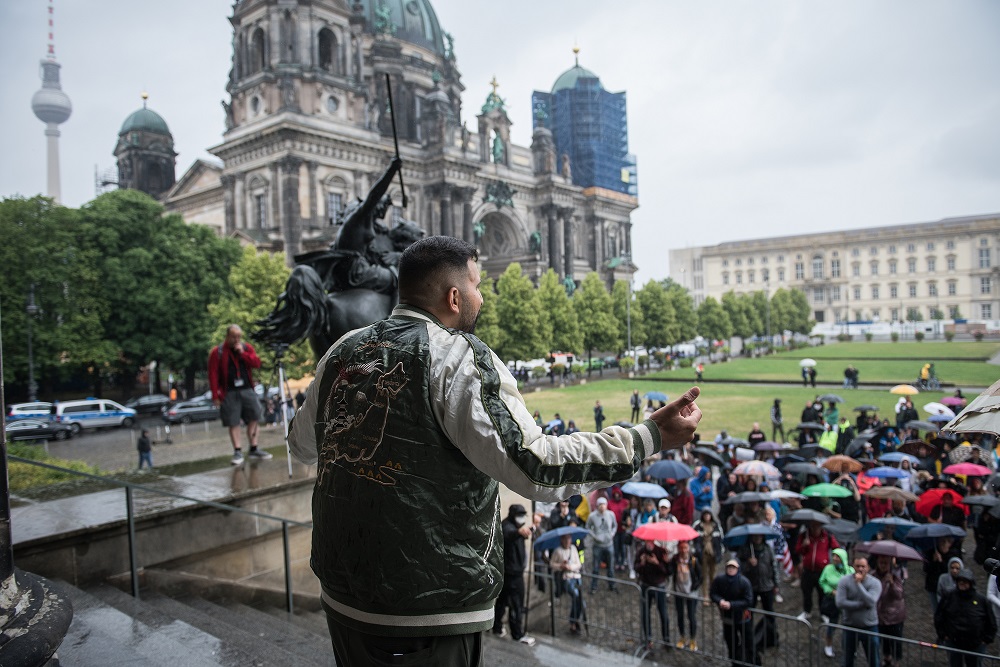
column 111, row 628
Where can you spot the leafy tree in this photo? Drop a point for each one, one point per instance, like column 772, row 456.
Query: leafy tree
column 759, row 304
column 713, row 321
column 255, row 282
column 559, row 318
column 658, row 315
column 755, row 318
column 913, row 315
column 41, row 248
column 488, row 326
column 520, row 317
column 684, row 312
column 801, row 322
column 624, row 312
column 737, row 315
column 594, row 310
column 157, row 276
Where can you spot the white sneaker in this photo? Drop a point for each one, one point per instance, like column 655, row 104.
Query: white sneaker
column 527, row 639
column 803, row 616
column 237, row 458
column 260, row 454
column 778, row 598
column 826, row 619
column 828, row 651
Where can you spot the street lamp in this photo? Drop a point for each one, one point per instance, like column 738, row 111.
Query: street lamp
column 628, row 308
column 32, row 310
column 767, row 298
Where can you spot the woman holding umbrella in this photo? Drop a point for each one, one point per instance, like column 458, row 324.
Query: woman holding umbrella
column 759, row 565
column 565, row 561
column 936, row 564
column 891, row 609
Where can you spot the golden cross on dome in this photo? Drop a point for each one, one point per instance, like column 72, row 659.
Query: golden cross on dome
column 494, row 84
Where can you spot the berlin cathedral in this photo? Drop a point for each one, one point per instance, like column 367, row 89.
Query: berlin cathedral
column 308, row 129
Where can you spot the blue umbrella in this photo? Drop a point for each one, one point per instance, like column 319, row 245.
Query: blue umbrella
column 885, row 472
column 900, row 527
column 669, row 469
column 550, row 539
column 898, row 457
column 925, row 534
column 644, row 490
column 740, row 535
column 656, row 396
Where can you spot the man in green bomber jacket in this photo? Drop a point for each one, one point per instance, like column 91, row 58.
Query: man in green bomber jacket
column 413, row 421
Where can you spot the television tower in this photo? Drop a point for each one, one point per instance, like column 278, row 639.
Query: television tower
column 52, row 106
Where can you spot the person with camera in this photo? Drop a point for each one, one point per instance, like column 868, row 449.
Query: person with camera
column 230, row 376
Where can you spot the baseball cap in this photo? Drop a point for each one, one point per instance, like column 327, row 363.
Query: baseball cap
column 664, row 503
column 602, row 501
column 733, row 562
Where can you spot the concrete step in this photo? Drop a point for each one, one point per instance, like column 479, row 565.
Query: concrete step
column 273, row 629
column 313, row 621
column 102, row 634
column 257, row 651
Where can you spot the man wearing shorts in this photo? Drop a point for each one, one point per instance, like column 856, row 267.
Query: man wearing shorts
column 230, row 376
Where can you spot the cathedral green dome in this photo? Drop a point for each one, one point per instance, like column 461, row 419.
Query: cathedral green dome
column 145, row 120
column 570, row 77
column 412, row 21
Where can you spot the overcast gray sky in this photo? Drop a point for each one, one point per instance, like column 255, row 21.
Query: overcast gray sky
column 749, row 119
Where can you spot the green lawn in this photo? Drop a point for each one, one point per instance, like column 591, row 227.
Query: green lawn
column 734, row 406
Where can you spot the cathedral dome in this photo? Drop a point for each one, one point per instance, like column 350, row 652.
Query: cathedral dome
column 412, row 21
column 145, row 120
column 570, row 77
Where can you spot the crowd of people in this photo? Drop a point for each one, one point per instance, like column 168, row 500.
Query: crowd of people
column 771, row 537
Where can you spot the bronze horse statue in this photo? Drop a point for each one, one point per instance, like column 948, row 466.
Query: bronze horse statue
column 348, row 286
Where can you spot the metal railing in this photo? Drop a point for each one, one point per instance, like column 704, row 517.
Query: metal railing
column 131, row 487
column 903, row 651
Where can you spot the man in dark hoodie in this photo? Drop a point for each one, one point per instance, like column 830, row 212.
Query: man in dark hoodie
column 516, row 529
column 732, row 593
column 964, row 620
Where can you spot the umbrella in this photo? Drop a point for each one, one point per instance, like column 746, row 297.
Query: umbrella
column 710, row 456
column 735, row 441
column 758, row 468
column 898, row 457
column 826, row 491
column 810, row 451
column 866, row 408
column 967, row 469
column 913, row 447
column 933, row 497
column 782, row 461
column 953, row 402
column 904, row 390
column 839, row 462
column 740, row 535
column 550, row 538
column 922, row 425
column 942, row 439
column 939, row 419
column 767, row 446
column 747, row 497
column 939, row 409
column 669, row 469
column 887, row 472
column 644, row 490
column 806, row 469
column 665, row 531
column 781, row 494
column 811, row 426
column 899, row 527
column 891, row 493
column 656, row 396
column 963, row 453
column 934, row 531
column 984, row 501
column 889, row 548
column 845, row 531
column 807, row 363
column 806, row 515
column 830, row 398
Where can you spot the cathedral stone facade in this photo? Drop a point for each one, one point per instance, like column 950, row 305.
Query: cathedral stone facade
column 308, row 128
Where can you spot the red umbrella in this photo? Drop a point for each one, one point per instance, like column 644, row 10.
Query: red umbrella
column 967, row 469
column 665, row 531
column 933, row 497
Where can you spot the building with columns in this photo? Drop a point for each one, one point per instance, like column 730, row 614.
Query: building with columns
column 941, row 270
column 308, row 128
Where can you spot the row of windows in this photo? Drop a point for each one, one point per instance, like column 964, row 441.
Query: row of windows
column 334, row 209
column 984, row 255
column 914, row 314
column 875, row 291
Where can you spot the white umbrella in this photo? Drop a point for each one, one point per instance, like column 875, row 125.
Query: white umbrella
column 981, row 415
column 935, row 408
column 807, row 363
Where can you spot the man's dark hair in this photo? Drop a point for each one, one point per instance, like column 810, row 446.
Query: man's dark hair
column 422, row 263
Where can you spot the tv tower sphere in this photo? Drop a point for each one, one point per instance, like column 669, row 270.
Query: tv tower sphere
column 50, row 104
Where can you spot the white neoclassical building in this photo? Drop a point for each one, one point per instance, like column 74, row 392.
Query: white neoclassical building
column 942, row 270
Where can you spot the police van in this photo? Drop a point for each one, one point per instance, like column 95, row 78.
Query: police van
column 92, row 413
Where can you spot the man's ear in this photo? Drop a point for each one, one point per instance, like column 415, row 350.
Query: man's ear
column 454, row 299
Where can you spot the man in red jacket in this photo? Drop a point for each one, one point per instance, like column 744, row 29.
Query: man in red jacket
column 814, row 547
column 230, row 376
column 683, row 505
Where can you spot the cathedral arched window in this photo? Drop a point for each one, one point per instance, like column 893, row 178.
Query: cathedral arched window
column 328, row 49
column 258, row 52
